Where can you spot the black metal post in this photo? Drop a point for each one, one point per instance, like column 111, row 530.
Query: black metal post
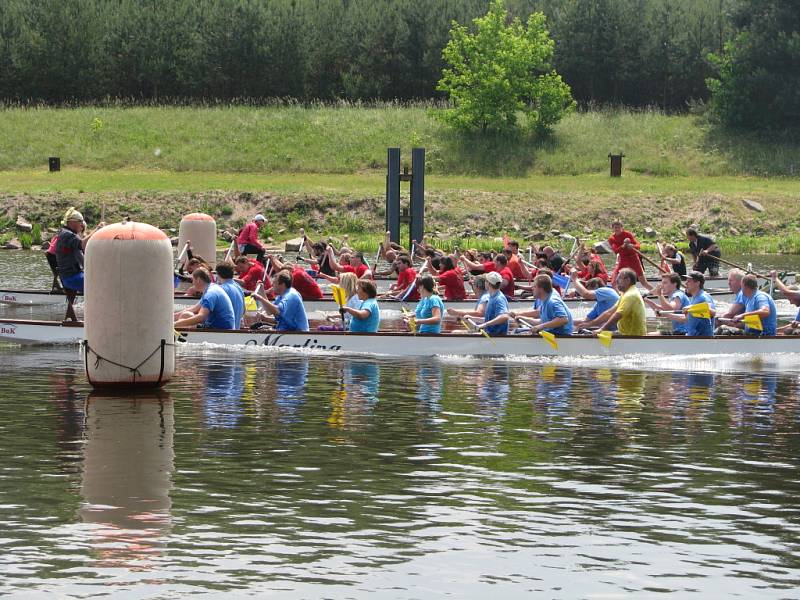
column 616, row 164
column 393, row 195
column 417, row 229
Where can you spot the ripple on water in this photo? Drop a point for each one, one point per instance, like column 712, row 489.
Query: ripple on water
column 256, row 474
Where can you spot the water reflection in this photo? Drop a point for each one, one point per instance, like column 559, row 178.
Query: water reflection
column 465, row 478
column 127, row 467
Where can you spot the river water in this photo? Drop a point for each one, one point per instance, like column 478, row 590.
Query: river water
column 259, row 474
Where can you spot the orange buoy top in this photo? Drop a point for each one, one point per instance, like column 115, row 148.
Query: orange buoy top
column 197, row 217
column 129, row 231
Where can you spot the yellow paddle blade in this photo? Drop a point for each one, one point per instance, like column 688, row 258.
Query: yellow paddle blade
column 338, row 294
column 250, row 304
column 603, row 375
column 550, row 339
column 700, row 311
column 753, row 322
column 605, row 338
column 753, row 388
column 548, row 373
column 412, row 325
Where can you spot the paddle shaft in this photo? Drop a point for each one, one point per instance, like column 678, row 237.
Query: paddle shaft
column 182, row 255
column 230, row 250
column 652, row 262
column 741, row 268
column 475, row 325
column 666, row 265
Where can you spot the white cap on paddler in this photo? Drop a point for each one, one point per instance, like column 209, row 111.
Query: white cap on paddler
column 75, row 216
column 259, row 217
column 494, row 278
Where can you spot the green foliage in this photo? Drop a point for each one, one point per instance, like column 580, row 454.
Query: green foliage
column 758, row 73
column 501, row 70
column 638, row 52
column 635, row 52
column 36, row 234
column 91, row 211
column 26, row 240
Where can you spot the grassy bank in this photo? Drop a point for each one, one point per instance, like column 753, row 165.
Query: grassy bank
column 322, row 168
column 350, row 139
column 469, row 211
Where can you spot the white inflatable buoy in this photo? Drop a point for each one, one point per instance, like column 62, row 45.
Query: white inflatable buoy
column 128, row 306
column 201, row 230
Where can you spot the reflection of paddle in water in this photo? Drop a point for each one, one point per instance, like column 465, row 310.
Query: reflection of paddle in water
column 127, row 468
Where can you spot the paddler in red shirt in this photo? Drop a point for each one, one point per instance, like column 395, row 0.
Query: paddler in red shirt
column 357, row 266
column 301, row 280
column 507, row 284
column 486, row 264
column 515, row 261
column 251, row 273
column 451, row 278
column 406, row 276
column 247, row 240
column 625, row 246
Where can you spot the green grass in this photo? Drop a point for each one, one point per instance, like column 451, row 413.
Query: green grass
column 349, row 139
column 337, row 204
column 322, row 168
column 143, row 180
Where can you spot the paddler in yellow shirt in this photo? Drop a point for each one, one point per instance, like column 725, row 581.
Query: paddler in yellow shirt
column 629, row 312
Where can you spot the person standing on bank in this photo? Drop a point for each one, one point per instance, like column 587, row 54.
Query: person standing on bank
column 705, row 252
column 247, row 241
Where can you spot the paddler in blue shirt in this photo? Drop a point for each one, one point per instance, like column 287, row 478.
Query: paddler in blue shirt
column 757, row 304
column 214, row 309
column 554, row 315
column 670, row 298
column 288, row 308
column 225, row 271
column 605, row 297
column 496, row 315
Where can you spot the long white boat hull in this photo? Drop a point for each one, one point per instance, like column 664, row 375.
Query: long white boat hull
column 404, row 344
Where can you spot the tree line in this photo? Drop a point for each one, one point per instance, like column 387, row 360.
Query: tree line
column 631, row 52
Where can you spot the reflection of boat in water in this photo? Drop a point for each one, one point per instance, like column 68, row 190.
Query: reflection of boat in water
column 493, row 389
column 290, row 387
column 222, row 399
column 362, row 380
column 127, row 468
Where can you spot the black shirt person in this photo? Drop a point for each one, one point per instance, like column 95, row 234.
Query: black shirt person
column 705, row 251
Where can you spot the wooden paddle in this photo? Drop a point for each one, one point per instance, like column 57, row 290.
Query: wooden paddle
column 652, row 262
column 667, row 266
column 753, row 322
column 545, row 335
column 701, row 310
column 181, row 256
column 605, row 338
column 230, row 250
column 412, row 322
column 741, row 268
column 378, row 256
column 339, row 298
column 474, row 328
